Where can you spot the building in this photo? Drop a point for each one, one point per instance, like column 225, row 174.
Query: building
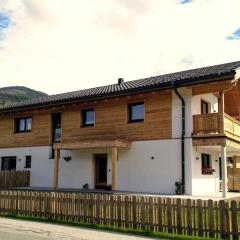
column 142, row 136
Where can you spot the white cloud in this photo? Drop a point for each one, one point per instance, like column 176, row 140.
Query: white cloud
column 61, row 45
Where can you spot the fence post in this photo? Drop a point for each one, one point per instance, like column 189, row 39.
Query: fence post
column 222, row 219
column 189, row 217
column 179, row 216
column 169, row 215
column 160, row 215
column 234, row 213
column 142, row 204
column 126, row 212
column 211, row 218
column 134, row 212
column 200, row 219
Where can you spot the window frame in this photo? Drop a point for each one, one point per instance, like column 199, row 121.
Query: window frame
column 3, row 158
column 54, row 127
column 203, row 102
column 206, row 170
column 83, row 117
column 129, row 112
column 17, row 124
column 27, row 163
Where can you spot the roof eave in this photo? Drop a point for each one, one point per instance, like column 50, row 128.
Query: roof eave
column 160, row 86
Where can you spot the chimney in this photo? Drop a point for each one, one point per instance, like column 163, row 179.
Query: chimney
column 120, row 81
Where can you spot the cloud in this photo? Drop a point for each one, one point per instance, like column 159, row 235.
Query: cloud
column 235, row 35
column 123, row 15
column 57, row 47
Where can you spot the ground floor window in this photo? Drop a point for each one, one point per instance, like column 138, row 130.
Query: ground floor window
column 8, row 163
column 28, row 162
column 206, row 164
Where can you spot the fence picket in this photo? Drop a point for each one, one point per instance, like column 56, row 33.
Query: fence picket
column 234, row 215
column 222, row 219
column 211, row 218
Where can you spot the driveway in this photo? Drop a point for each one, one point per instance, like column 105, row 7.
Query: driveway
column 11, row 229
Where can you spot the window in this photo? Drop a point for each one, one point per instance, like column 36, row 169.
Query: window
column 28, row 161
column 206, row 164
column 8, row 163
column 23, row 124
column 136, row 112
column 204, row 107
column 56, row 127
column 88, row 117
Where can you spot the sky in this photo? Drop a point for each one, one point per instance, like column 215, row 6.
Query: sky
column 58, row 46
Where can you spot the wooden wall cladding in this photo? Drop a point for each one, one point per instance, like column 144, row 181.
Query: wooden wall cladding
column 110, row 121
column 39, row 136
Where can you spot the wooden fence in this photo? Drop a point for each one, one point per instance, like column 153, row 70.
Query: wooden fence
column 182, row 216
column 11, row 179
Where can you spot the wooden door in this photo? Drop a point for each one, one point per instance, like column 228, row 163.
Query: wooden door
column 101, row 171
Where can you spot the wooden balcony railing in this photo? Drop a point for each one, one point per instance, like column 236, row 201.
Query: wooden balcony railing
column 232, row 127
column 204, row 124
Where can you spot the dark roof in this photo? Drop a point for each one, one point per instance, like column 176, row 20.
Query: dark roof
column 162, row 81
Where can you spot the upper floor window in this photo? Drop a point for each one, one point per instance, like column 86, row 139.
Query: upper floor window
column 57, row 127
column 88, row 118
column 136, row 112
column 205, row 108
column 23, row 124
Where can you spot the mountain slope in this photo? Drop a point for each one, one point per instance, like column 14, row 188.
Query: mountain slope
column 13, row 94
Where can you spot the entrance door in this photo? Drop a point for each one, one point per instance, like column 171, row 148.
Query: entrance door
column 8, row 163
column 101, row 171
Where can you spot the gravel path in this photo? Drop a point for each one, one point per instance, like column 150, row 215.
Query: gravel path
column 11, row 229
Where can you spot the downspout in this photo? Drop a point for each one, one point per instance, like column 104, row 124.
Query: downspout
column 182, row 137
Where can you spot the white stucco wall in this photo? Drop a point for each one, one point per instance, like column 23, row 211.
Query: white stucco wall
column 42, row 166
column 177, row 113
column 80, row 170
column 210, row 98
column 196, row 183
column 137, row 171
column 204, row 184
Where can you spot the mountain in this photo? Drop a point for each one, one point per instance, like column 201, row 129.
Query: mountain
column 14, row 94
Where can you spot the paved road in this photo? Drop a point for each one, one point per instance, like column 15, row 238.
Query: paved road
column 26, row 230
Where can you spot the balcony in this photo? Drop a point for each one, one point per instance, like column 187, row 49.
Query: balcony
column 209, row 125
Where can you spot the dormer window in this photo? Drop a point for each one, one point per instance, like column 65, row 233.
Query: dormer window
column 23, row 124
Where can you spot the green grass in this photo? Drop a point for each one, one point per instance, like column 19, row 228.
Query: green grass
column 106, row 228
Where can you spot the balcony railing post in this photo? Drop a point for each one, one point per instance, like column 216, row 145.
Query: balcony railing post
column 221, row 112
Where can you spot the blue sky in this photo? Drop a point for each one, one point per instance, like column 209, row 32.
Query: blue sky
column 185, row 1
column 4, row 22
column 235, row 35
column 63, row 47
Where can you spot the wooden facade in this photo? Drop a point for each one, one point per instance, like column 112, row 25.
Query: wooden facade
column 111, row 121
